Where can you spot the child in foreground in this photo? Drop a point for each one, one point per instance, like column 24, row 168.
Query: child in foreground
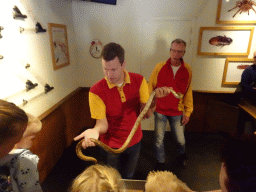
column 98, row 178
column 18, row 168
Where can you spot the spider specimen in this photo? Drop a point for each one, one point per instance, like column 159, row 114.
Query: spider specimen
column 244, row 6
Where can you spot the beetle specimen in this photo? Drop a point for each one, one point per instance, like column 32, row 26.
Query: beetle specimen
column 244, row 6
column 220, row 41
column 242, row 66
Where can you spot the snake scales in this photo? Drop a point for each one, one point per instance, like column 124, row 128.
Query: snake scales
column 129, row 138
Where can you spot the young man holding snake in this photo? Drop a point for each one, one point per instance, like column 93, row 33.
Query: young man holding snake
column 115, row 102
column 176, row 74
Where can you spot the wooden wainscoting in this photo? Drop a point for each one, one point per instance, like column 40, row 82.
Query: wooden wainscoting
column 204, row 109
column 61, row 124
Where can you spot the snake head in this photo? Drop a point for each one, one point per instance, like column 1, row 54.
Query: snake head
column 180, row 95
column 177, row 95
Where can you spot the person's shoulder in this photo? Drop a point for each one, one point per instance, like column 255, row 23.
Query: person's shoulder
column 187, row 65
column 26, row 158
column 160, row 64
column 101, row 83
column 135, row 75
column 248, row 69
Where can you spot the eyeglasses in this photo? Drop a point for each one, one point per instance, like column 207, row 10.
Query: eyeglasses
column 177, row 51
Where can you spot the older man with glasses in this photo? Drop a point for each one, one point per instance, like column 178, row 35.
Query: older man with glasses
column 176, row 74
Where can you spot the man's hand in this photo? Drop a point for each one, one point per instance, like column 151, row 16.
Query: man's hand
column 87, row 134
column 162, row 92
column 185, row 120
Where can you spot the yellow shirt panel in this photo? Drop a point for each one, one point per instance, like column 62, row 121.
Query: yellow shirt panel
column 144, row 93
column 153, row 78
column 97, row 106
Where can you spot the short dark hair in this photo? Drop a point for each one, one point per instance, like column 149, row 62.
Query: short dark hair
column 112, row 50
column 10, row 117
column 240, row 162
column 179, row 41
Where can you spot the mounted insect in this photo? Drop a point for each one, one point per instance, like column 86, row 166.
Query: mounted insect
column 220, row 41
column 242, row 66
column 244, row 6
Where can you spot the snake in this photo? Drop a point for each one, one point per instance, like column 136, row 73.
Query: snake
column 130, row 136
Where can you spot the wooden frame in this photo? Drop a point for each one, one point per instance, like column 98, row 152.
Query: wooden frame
column 240, row 46
column 59, row 45
column 224, row 16
column 233, row 70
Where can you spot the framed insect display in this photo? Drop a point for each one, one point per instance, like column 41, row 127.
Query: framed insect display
column 225, row 41
column 240, row 12
column 233, row 70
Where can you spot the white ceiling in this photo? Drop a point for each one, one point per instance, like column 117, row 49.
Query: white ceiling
column 164, row 8
column 174, row 8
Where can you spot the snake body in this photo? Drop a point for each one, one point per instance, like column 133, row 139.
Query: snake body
column 129, row 138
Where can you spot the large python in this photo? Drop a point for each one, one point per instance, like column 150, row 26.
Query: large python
column 129, row 138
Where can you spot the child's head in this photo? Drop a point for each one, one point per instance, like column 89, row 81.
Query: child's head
column 163, row 181
column 33, row 127
column 238, row 169
column 13, row 122
column 98, row 178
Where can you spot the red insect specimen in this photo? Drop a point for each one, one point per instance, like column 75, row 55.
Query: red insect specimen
column 242, row 66
column 220, row 41
column 244, row 6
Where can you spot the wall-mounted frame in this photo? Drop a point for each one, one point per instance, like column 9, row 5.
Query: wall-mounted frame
column 209, row 42
column 228, row 14
column 233, row 70
column 59, row 45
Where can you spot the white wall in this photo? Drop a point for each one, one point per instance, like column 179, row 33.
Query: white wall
column 19, row 49
column 132, row 23
column 146, row 39
column 208, row 71
column 138, row 27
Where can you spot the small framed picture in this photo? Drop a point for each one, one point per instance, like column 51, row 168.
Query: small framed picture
column 59, row 45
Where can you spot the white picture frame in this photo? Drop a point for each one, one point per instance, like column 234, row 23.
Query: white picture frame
column 240, row 45
column 233, row 70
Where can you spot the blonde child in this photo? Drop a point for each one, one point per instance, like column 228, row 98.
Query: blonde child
column 164, row 181
column 98, row 178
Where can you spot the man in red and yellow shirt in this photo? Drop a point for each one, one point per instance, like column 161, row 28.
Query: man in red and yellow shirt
column 115, row 102
column 176, row 74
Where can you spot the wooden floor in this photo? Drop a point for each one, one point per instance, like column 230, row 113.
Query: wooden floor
column 201, row 172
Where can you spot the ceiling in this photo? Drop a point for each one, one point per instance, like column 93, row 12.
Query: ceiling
column 164, row 8
column 174, row 8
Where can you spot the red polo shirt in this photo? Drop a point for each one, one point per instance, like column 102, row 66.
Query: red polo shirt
column 181, row 82
column 120, row 105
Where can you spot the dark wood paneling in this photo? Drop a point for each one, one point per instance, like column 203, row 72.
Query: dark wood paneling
column 197, row 121
column 59, row 128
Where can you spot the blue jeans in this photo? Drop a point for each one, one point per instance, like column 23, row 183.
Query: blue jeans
column 177, row 131
column 124, row 162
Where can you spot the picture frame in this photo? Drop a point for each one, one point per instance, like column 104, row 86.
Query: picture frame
column 225, row 41
column 229, row 15
column 233, row 70
column 59, row 45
